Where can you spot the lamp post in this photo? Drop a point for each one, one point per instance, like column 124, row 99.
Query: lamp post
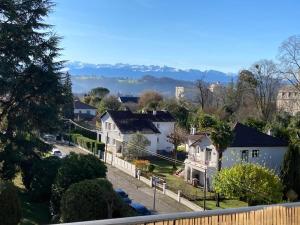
column 205, row 187
column 154, row 194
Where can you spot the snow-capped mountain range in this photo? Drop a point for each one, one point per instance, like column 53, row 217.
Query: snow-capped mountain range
column 138, row 71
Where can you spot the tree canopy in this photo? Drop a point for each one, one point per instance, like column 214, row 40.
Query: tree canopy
column 75, row 168
column 32, row 83
column 290, row 172
column 150, row 100
column 90, row 200
column 136, row 146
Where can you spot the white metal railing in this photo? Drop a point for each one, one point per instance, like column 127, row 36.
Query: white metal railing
column 196, row 159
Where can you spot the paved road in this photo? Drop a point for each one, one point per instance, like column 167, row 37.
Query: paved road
column 137, row 190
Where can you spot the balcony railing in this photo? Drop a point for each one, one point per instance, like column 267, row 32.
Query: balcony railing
column 202, row 162
column 281, row 214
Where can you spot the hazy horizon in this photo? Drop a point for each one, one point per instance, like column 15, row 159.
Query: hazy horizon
column 205, row 35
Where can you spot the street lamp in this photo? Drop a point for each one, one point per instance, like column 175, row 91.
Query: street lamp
column 154, row 183
column 205, row 187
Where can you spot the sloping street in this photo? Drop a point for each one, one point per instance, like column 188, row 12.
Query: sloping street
column 137, row 190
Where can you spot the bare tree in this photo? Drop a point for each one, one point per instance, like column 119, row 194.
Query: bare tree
column 204, row 93
column 289, row 56
column 263, row 80
column 150, row 100
column 177, row 137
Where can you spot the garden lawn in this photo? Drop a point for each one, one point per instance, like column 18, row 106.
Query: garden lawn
column 164, row 169
column 32, row 213
column 224, row 204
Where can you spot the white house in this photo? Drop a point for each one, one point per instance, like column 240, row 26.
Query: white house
column 248, row 145
column 81, row 108
column 118, row 127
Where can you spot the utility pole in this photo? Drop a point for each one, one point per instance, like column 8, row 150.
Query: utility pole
column 154, row 194
column 205, row 187
column 106, row 141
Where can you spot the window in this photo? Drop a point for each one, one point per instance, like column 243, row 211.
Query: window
column 109, row 126
column 208, row 154
column 157, row 139
column 114, row 126
column 114, row 141
column 283, row 94
column 105, row 125
column 79, row 111
column 88, row 111
column 108, row 140
column 198, row 149
column 158, row 125
column 255, row 153
column 245, row 155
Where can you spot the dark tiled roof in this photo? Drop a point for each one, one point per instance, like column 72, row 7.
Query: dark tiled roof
column 158, row 116
column 245, row 136
column 80, row 105
column 129, row 99
column 128, row 122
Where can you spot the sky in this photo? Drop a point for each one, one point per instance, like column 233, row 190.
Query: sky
column 225, row 35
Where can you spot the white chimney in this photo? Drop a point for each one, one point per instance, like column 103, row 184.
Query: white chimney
column 269, row 132
column 154, row 112
column 193, row 131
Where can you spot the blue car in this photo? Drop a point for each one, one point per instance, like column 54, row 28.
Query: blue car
column 123, row 195
column 140, row 209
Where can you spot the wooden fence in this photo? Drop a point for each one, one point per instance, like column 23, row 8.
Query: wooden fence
column 283, row 214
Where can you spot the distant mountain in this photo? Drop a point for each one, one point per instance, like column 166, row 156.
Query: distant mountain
column 128, row 79
column 138, row 71
column 128, row 86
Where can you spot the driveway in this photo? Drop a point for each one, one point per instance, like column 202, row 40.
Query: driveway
column 137, row 190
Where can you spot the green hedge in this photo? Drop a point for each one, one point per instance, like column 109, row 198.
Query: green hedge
column 86, row 133
column 87, row 143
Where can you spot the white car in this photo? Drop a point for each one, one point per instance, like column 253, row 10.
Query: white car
column 57, row 152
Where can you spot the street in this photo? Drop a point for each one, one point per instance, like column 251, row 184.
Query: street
column 137, row 190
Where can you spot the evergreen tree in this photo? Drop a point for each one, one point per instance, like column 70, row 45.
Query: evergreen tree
column 290, row 172
column 31, row 86
column 68, row 107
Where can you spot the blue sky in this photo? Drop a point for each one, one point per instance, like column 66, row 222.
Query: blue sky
column 224, row 35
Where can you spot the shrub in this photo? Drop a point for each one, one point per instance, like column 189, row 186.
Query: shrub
column 250, row 182
column 151, row 168
column 141, row 164
column 74, row 168
column 10, row 208
column 44, row 173
column 90, row 200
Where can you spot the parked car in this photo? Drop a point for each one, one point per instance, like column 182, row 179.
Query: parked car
column 140, row 209
column 123, row 195
column 49, row 137
column 57, row 152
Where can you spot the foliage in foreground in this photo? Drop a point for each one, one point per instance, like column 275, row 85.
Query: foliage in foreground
column 249, row 182
column 91, row 200
column 75, row 168
column 44, row 173
column 10, row 207
column 290, row 173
